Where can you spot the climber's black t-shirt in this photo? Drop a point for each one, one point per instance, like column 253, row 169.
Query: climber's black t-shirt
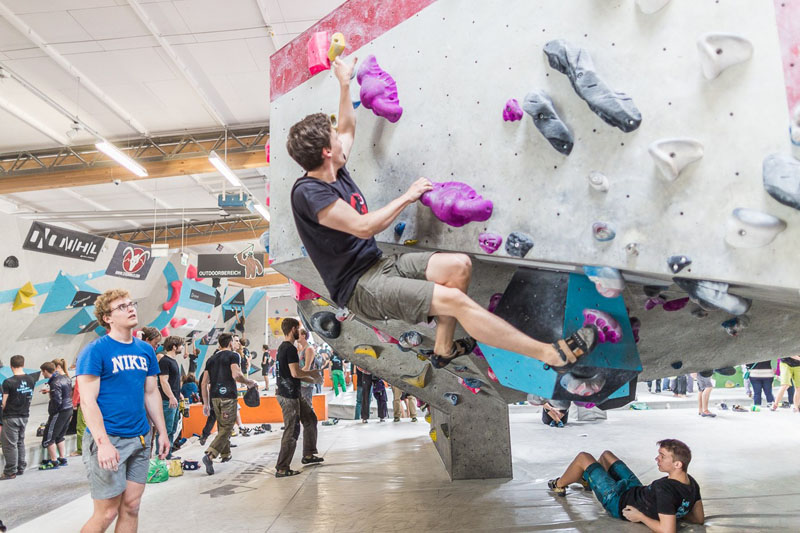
column 340, row 258
column 662, row 496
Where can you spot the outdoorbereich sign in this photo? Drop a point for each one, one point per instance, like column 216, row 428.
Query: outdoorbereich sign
column 130, row 261
column 64, row 242
column 245, row 264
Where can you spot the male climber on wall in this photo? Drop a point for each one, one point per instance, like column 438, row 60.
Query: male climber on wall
column 338, row 232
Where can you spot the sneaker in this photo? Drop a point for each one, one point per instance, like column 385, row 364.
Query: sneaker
column 209, row 464
column 382, row 420
column 396, row 419
column 558, row 491
column 48, row 465
column 62, row 461
column 414, row 419
column 6, row 477
column 311, row 460
column 365, row 421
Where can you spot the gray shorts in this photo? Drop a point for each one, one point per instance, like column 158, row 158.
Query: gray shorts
column 134, row 462
column 704, row 383
column 395, row 288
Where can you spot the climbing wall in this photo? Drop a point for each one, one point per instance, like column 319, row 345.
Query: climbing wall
column 47, row 292
column 455, row 69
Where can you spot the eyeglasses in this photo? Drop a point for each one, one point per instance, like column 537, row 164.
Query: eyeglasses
column 126, row 306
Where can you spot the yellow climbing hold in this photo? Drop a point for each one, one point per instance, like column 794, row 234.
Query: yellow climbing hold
column 410, row 242
column 428, row 418
column 432, row 433
column 24, row 297
column 321, row 302
column 422, row 357
column 338, row 45
column 422, row 379
column 366, row 349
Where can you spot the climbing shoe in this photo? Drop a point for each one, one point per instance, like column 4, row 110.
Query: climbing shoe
column 555, row 489
column 580, row 343
column 48, row 465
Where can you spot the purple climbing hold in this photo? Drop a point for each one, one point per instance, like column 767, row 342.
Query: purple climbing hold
column 512, row 112
column 490, row 242
column 378, row 90
column 676, row 305
column 457, row 203
column 654, row 302
column 494, row 300
column 608, row 329
column 636, row 325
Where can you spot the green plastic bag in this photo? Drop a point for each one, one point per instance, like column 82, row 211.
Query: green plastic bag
column 158, row 471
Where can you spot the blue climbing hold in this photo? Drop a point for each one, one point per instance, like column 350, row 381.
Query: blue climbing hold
column 399, row 228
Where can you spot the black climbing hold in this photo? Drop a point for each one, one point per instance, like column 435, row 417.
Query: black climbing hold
column 715, row 295
column 325, row 323
column 726, row 371
column 706, row 373
column 446, row 430
column 781, row 174
column 215, row 282
column 652, row 291
column 541, row 109
column 677, row 263
column 518, row 244
column 473, row 382
column 617, row 109
column 676, row 365
column 11, row 262
column 217, row 298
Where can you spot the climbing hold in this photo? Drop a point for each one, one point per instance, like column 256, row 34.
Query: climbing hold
column 325, row 323
column 616, row 109
column 317, row 53
column 457, row 204
column 748, row 228
column 676, row 305
column 191, row 273
column 460, row 368
column 671, row 156
column 452, row 397
column 478, row 353
column 177, row 322
column 164, row 332
column 422, row 379
column 719, row 51
column 432, row 434
column 490, row 242
column 320, row 302
column 343, row 314
column 714, row 295
column 378, row 90
column 493, row 301
column 676, row 263
column 174, row 295
column 366, row 349
column 384, row 337
column 608, row 281
column 636, row 325
column 512, row 112
column 648, row 7
column 490, row 373
column 654, row 302
column 726, row 371
column 734, row 326
column 653, row 290
column 24, row 297
column 608, row 329
column 445, row 430
column 598, row 181
column 11, row 262
column 301, row 292
column 632, row 249
column 338, row 45
column 582, row 386
column 428, row 418
column 794, row 127
column 676, row 364
column 518, row 244
column 410, row 339
column 410, row 242
column 399, row 228
column 471, row 384
column 603, row 232
column 781, row 174
column 545, row 117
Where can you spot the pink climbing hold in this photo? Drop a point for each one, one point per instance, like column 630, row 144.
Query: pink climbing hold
column 490, row 242
column 318, row 47
column 457, row 204
column 302, row 292
column 585, row 405
column 491, row 374
column 177, row 322
column 378, row 90
column 494, row 300
column 608, row 328
column 174, row 295
column 676, row 305
column 384, row 337
column 513, row 111
column 191, row 273
column 164, row 332
column 654, row 302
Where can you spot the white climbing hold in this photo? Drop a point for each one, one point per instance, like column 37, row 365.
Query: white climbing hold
column 598, row 181
column 794, row 129
column 671, row 156
column 648, row 7
column 719, row 51
column 748, row 228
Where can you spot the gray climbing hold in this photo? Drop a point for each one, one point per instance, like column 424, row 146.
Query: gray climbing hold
column 602, row 232
column 451, row 397
column 632, row 249
column 616, row 109
column 676, row 263
column 11, row 262
column 326, row 324
column 714, row 295
column 598, row 181
column 671, row 156
column 541, row 109
column 410, row 339
column 648, row 7
column 781, row 174
column 748, row 228
column 719, row 51
column 518, row 244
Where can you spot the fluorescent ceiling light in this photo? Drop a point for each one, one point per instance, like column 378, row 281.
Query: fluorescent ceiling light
column 224, row 169
column 116, row 154
column 262, row 211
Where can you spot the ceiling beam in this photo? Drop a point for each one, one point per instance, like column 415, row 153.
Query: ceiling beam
column 213, row 232
column 99, row 175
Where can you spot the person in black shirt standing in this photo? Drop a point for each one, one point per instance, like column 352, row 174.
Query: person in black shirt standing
column 266, row 367
column 218, row 387
column 17, row 395
column 294, row 407
column 169, row 384
column 59, row 411
column 338, row 232
column 658, row 505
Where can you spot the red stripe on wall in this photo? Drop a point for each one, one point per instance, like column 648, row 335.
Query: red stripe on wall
column 788, row 17
column 360, row 21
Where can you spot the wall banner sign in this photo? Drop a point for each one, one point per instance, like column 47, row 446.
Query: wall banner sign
column 245, row 264
column 64, row 242
column 130, row 261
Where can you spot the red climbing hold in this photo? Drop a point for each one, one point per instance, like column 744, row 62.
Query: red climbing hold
column 177, row 322
column 302, row 292
column 164, row 332
column 174, row 295
column 318, row 47
column 191, row 273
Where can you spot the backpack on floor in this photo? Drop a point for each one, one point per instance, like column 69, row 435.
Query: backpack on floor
column 158, row 471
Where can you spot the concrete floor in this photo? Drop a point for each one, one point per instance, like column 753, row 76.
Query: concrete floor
column 388, row 477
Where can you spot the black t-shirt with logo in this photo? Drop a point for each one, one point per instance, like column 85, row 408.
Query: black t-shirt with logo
column 20, row 393
column 663, row 496
column 219, row 374
column 339, row 257
column 336, row 361
column 169, row 367
column 288, row 385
